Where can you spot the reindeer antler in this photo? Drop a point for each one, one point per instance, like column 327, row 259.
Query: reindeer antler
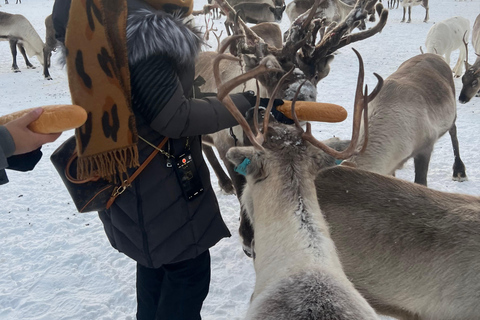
column 361, row 106
column 223, row 89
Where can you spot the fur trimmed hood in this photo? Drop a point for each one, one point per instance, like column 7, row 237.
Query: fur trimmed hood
column 152, row 32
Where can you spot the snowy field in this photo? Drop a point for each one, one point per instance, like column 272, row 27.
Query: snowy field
column 58, row 264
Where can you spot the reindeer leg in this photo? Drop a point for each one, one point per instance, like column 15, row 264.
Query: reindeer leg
column 404, row 12
column 46, row 62
column 421, row 162
column 223, row 179
column 458, row 166
column 426, row 15
column 24, row 54
column 409, row 15
column 13, row 49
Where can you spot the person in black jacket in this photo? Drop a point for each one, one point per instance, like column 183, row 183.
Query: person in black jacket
column 169, row 218
column 19, row 146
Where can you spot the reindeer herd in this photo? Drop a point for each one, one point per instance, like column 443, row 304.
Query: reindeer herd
column 346, row 241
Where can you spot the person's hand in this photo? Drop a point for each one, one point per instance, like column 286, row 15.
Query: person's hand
column 280, row 117
column 25, row 139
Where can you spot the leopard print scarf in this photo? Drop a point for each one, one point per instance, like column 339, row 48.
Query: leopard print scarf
column 99, row 81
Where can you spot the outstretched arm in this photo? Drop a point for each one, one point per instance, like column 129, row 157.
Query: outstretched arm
column 158, row 96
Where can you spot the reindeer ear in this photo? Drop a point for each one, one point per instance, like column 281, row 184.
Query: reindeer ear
column 246, row 160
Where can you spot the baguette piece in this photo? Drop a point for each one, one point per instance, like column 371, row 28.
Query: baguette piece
column 54, row 119
column 314, row 111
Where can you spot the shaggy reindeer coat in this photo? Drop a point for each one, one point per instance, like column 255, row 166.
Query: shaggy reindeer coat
column 152, row 222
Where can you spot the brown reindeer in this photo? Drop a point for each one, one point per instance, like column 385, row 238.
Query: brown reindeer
column 415, row 107
column 298, row 273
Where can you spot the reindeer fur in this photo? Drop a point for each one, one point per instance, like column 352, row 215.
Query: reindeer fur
column 412, row 252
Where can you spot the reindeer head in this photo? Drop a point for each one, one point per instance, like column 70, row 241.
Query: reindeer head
column 280, row 152
column 471, row 78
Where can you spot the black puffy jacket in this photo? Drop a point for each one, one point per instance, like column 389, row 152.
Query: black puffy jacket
column 152, row 221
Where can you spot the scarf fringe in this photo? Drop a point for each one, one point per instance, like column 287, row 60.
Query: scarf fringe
column 110, row 165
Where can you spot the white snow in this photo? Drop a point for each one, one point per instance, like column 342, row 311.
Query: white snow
column 56, row 263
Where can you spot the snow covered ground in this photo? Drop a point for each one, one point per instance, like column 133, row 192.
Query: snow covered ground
column 57, row 264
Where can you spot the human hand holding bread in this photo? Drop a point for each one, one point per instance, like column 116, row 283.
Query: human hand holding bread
column 31, row 128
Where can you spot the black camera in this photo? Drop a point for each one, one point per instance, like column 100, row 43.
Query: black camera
column 188, row 177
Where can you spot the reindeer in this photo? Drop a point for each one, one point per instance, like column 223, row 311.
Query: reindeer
column 259, row 12
column 411, row 3
column 471, row 78
column 447, row 36
column 298, row 272
column 415, row 107
column 20, row 33
column 312, row 64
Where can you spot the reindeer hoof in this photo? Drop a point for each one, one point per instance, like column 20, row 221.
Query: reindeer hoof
column 48, row 78
column 460, row 178
column 31, row 67
column 227, row 188
column 16, row 70
column 248, row 252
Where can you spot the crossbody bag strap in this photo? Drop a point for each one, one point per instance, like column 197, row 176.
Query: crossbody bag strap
column 125, row 184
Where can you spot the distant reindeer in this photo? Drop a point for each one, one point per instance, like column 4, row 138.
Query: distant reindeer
column 411, row 3
column 471, row 78
column 20, row 33
column 18, row 1
column 415, row 107
column 253, row 12
column 447, row 36
column 298, row 274
column 391, row 4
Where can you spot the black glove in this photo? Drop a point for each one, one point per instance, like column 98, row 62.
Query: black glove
column 24, row 162
column 252, row 99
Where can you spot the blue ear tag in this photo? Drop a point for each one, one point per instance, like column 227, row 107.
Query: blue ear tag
column 337, row 161
column 242, row 167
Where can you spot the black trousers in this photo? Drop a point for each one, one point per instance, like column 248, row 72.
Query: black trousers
column 175, row 291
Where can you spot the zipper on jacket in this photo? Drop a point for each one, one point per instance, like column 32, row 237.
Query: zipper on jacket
column 142, row 228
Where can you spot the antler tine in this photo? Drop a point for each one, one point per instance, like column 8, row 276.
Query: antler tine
column 294, row 101
column 272, row 99
column 377, row 88
column 361, row 105
column 466, row 51
column 255, row 112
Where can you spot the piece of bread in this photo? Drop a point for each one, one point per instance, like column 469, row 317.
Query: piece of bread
column 314, row 111
column 55, row 118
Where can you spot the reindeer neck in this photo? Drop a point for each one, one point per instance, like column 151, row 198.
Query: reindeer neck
column 290, row 231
